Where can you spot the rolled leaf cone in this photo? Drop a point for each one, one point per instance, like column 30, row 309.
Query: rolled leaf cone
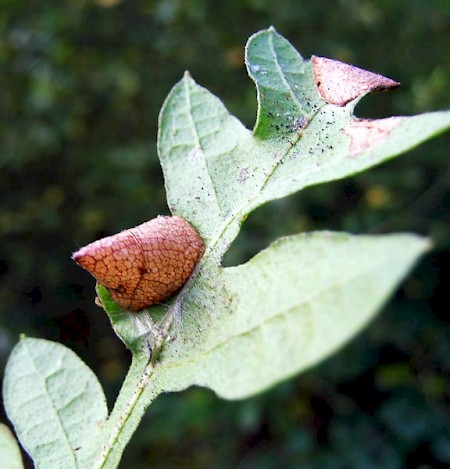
column 339, row 83
column 146, row 264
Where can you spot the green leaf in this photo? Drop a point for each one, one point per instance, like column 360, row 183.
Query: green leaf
column 287, row 97
column 9, row 449
column 241, row 329
column 216, row 171
column 285, row 310
column 199, row 144
column 55, row 403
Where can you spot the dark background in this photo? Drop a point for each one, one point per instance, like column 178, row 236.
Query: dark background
column 82, row 83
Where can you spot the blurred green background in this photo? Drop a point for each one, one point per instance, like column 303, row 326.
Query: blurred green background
column 82, row 83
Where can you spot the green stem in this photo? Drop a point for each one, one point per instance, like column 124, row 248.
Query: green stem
column 133, row 400
column 138, row 391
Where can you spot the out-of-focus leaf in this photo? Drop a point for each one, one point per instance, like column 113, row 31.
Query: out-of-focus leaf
column 10, row 456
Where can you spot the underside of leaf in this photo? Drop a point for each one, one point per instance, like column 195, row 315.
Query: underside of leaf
column 241, row 329
column 285, row 310
column 56, row 403
column 367, row 133
column 217, row 171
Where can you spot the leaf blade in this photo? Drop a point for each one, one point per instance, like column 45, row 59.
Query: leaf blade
column 292, row 146
column 54, row 401
column 196, row 135
column 286, row 100
column 324, row 153
column 298, row 318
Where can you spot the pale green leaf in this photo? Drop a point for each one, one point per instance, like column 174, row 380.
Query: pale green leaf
column 199, row 144
column 284, row 310
column 55, row 403
column 10, row 456
column 216, row 171
column 241, row 329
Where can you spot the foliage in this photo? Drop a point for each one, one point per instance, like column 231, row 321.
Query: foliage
column 299, row 299
column 57, row 194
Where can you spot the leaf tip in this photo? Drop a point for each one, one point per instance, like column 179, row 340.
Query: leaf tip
column 427, row 245
column 418, row 245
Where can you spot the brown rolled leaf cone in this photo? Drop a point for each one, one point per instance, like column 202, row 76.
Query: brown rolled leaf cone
column 144, row 265
column 339, row 83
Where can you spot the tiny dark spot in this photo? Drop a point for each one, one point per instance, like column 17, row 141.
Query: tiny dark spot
column 119, row 289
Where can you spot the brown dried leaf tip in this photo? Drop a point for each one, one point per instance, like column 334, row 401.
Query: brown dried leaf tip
column 339, row 83
column 146, row 264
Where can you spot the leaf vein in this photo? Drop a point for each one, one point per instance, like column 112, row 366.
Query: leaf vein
column 199, row 146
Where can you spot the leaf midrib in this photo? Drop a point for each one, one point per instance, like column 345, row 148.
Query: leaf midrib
column 283, row 77
column 187, row 93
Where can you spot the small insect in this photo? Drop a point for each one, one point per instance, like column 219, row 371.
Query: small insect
column 144, row 265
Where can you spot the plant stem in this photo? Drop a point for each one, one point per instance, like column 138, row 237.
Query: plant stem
column 136, row 394
column 133, row 400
